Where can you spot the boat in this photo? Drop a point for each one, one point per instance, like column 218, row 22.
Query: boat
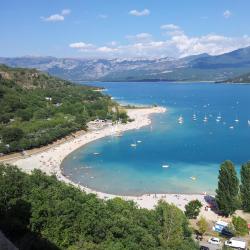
column 231, row 127
column 248, row 122
column 96, row 153
column 165, row 166
column 194, row 117
column 218, row 118
column 133, row 145
column 139, row 141
column 236, row 120
column 205, row 119
column 193, row 178
column 180, row 120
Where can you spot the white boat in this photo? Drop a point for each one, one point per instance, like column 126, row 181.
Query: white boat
column 194, row 117
column 139, row 141
column 96, row 153
column 133, row 145
column 218, row 120
column 205, row 119
column 219, row 116
column 231, row 127
column 248, row 122
column 236, row 120
column 180, row 120
column 165, row 166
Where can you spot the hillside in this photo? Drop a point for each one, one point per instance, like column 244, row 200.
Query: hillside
column 192, row 68
column 240, row 79
column 37, row 109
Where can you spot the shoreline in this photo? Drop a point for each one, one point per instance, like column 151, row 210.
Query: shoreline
column 50, row 160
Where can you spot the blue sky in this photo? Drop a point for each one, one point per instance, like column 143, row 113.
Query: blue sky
column 123, row 28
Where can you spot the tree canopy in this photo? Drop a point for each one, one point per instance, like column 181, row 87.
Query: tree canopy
column 40, row 212
column 245, row 187
column 227, row 193
column 37, row 109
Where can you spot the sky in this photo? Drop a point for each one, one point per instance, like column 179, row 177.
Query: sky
column 122, row 28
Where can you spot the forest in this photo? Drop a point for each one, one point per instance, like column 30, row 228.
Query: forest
column 37, row 109
column 40, row 212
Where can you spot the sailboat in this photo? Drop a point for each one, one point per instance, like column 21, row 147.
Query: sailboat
column 236, row 120
column 180, row 120
column 205, row 119
column 218, row 118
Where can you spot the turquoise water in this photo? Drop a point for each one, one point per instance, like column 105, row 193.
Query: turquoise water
column 192, row 149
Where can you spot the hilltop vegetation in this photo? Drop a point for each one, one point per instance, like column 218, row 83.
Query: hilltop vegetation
column 37, row 109
column 245, row 78
column 40, row 212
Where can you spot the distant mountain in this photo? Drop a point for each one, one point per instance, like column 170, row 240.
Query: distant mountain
column 240, row 79
column 202, row 67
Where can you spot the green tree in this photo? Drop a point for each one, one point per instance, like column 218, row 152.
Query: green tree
column 171, row 219
column 227, row 193
column 202, row 225
column 12, row 134
column 245, row 187
column 240, row 226
column 192, row 209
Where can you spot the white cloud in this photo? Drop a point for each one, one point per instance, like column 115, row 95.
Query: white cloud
column 81, row 46
column 103, row 16
column 53, row 18
column 176, row 44
column 141, row 37
column 57, row 17
column 144, row 12
column 65, row 12
column 170, row 27
column 227, row 13
column 106, row 49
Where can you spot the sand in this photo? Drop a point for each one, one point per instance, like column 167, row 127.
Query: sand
column 49, row 161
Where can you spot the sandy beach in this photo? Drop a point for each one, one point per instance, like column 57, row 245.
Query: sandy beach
column 49, row 161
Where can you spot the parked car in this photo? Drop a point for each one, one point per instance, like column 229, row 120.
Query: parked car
column 214, row 241
column 204, row 248
column 236, row 243
column 226, row 232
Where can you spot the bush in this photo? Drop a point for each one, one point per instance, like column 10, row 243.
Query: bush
column 192, row 209
column 240, row 226
column 202, row 225
column 11, row 134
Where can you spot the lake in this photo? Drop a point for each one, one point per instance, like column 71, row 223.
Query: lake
column 175, row 155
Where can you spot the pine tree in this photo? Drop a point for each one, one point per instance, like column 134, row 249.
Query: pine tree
column 228, row 189
column 245, row 187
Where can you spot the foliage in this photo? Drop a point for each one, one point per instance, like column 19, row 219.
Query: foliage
column 202, row 225
column 192, row 209
column 227, row 193
column 240, row 226
column 245, row 187
column 38, row 207
column 37, row 109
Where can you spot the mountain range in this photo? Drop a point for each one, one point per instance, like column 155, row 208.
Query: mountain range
column 201, row 67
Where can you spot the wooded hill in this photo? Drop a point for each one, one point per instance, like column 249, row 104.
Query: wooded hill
column 37, row 109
